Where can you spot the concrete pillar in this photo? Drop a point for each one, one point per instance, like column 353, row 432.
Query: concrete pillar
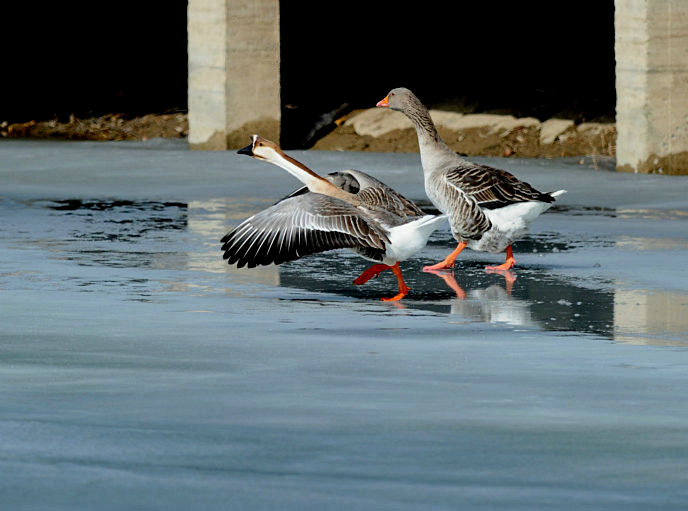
column 234, row 73
column 652, row 85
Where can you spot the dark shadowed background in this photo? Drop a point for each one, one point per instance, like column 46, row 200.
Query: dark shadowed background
column 527, row 58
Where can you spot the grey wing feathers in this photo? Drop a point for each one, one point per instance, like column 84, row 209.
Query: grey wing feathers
column 493, row 188
column 374, row 193
column 392, row 202
column 466, row 217
column 301, row 225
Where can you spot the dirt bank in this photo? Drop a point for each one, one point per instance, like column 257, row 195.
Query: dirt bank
column 107, row 127
column 376, row 129
column 474, row 134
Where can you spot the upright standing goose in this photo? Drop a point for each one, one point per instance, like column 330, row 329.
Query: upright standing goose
column 346, row 209
column 488, row 208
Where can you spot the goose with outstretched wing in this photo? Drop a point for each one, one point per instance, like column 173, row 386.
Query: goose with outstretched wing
column 346, row 209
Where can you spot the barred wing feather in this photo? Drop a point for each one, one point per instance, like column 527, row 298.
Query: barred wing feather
column 301, row 225
column 493, row 188
column 466, row 217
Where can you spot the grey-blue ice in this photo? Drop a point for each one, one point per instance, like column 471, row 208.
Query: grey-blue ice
column 139, row 372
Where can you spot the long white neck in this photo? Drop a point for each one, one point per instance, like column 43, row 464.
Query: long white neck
column 313, row 181
column 295, row 168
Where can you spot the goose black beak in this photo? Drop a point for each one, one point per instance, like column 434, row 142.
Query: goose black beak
column 248, row 150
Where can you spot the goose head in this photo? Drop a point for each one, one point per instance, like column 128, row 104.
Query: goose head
column 265, row 150
column 261, row 149
column 400, row 99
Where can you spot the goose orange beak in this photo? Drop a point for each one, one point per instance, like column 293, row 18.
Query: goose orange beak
column 384, row 102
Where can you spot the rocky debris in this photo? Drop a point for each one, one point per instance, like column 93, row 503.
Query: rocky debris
column 384, row 130
column 593, row 128
column 378, row 121
column 107, row 127
column 551, row 129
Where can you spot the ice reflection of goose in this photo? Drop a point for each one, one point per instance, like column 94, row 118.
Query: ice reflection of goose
column 493, row 304
column 346, row 209
column 488, row 208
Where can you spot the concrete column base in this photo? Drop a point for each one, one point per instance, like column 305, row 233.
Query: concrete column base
column 652, row 86
column 234, row 73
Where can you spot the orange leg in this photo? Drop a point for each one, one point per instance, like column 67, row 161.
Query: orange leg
column 450, row 281
column 403, row 290
column 509, row 263
column 449, row 260
column 371, row 272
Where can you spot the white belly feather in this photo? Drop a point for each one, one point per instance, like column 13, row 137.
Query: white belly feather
column 409, row 239
column 508, row 224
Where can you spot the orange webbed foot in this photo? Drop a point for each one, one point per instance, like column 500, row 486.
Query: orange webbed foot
column 508, row 264
column 442, row 265
column 403, row 291
column 395, row 298
column 502, row 267
column 448, row 261
column 403, row 288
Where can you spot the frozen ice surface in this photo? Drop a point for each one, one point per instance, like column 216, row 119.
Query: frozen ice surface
column 138, row 371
